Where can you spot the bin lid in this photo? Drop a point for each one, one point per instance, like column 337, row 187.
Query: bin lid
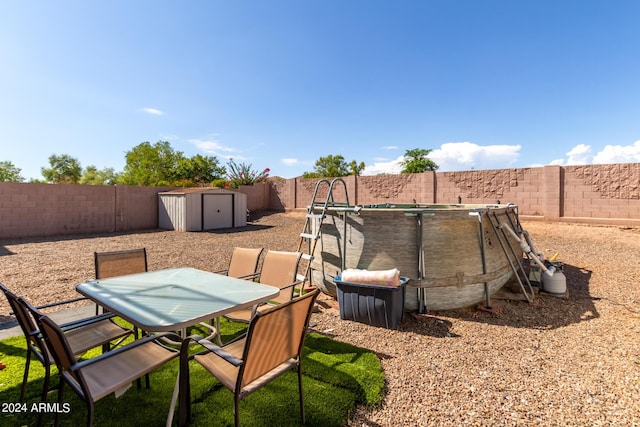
column 403, row 281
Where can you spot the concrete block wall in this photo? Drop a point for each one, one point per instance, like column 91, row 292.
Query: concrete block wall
column 599, row 194
column 43, row 209
column 406, row 188
column 282, row 194
column 257, row 195
column 602, row 191
column 136, row 208
column 28, row 210
column 603, row 194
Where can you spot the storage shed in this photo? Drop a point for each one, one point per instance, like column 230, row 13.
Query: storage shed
column 200, row 209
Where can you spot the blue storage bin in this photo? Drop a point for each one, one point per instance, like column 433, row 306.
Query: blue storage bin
column 374, row 305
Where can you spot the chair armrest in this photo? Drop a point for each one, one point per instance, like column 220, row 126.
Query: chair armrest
column 219, row 351
column 115, row 352
column 69, row 326
column 293, row 285
column 248, row 276
column 55, row 304
column 86, row 321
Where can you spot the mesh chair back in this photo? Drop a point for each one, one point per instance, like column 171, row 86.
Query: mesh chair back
column 276, row 336
column 27, row 324
column 244, row 262
column 57, row 342
column 279, row 269
column 119, row 263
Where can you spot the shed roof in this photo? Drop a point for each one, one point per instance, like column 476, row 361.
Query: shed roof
column 192, row 190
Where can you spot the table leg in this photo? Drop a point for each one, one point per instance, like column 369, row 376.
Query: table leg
column 174, row 399
column 184, row 405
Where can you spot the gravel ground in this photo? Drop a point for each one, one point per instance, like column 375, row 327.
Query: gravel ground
column 556, row 361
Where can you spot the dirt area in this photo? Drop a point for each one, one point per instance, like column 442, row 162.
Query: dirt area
column 556, row 361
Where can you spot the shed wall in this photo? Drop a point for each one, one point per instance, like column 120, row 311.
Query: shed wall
column 172, row 212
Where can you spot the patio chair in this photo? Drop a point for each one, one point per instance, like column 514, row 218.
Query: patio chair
column 279, row 269
column 82, row 335
column 272, row 346
column 243, row 264
column 110, row 372
column 119, row 263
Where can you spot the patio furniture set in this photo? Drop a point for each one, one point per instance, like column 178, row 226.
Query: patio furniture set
column 160, row 305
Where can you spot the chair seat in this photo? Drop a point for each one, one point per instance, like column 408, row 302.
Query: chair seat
column 245, row 315
column 271, row 346
column 83, row 339
column 111, row 374
column 219, row 368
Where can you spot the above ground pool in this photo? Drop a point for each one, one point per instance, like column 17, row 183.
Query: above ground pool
column 451, row 253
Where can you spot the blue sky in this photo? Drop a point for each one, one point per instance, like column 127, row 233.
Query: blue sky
column 485, row 84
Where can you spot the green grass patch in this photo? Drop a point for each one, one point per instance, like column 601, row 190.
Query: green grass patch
column 336, row 377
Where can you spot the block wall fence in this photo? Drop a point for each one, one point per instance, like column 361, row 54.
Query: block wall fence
column 596, row 194
column 34, row 210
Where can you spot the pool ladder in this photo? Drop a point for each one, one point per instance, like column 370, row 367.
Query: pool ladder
column 316, row 213
column 514, row 257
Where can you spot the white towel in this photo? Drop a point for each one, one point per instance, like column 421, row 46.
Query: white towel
column 373, row 277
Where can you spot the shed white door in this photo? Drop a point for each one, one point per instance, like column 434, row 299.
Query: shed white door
column 217, row 211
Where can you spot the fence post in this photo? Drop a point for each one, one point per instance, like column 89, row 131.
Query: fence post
column 553, row 192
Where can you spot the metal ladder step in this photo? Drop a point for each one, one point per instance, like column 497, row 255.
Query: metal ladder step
column 309, row 236
column 316, row 212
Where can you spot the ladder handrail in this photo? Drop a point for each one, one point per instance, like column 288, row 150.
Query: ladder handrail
column 307, row 233
column 346, row 193
column 329, row 200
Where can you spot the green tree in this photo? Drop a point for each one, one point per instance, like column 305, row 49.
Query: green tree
column 334, row 166
column 64, row 170
column 242, row 174
column 10, row 173
column 93, row 176
column 159, row 164
column 151, row 165
column 416, row 161
column 355, row 168
column 200, row 169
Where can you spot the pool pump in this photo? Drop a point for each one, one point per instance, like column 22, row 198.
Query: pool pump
column 553, row 280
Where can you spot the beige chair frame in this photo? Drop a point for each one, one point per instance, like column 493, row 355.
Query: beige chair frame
column 243, row 263
column 272, row 346
column 98, row 377
column 82, row 335
column 279, row 269
column 119, row 263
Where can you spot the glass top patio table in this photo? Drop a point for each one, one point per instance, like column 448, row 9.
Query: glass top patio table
column 175, row 298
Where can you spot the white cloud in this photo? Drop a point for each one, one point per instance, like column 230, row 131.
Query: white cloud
column 458, row 156
column 289, row 162
column 390, row 147
column 581, row 155
column 382, row 167
column 213, row 147
column 153, row 111
column 619, row 154
column 169, row 137
column 454, row 156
